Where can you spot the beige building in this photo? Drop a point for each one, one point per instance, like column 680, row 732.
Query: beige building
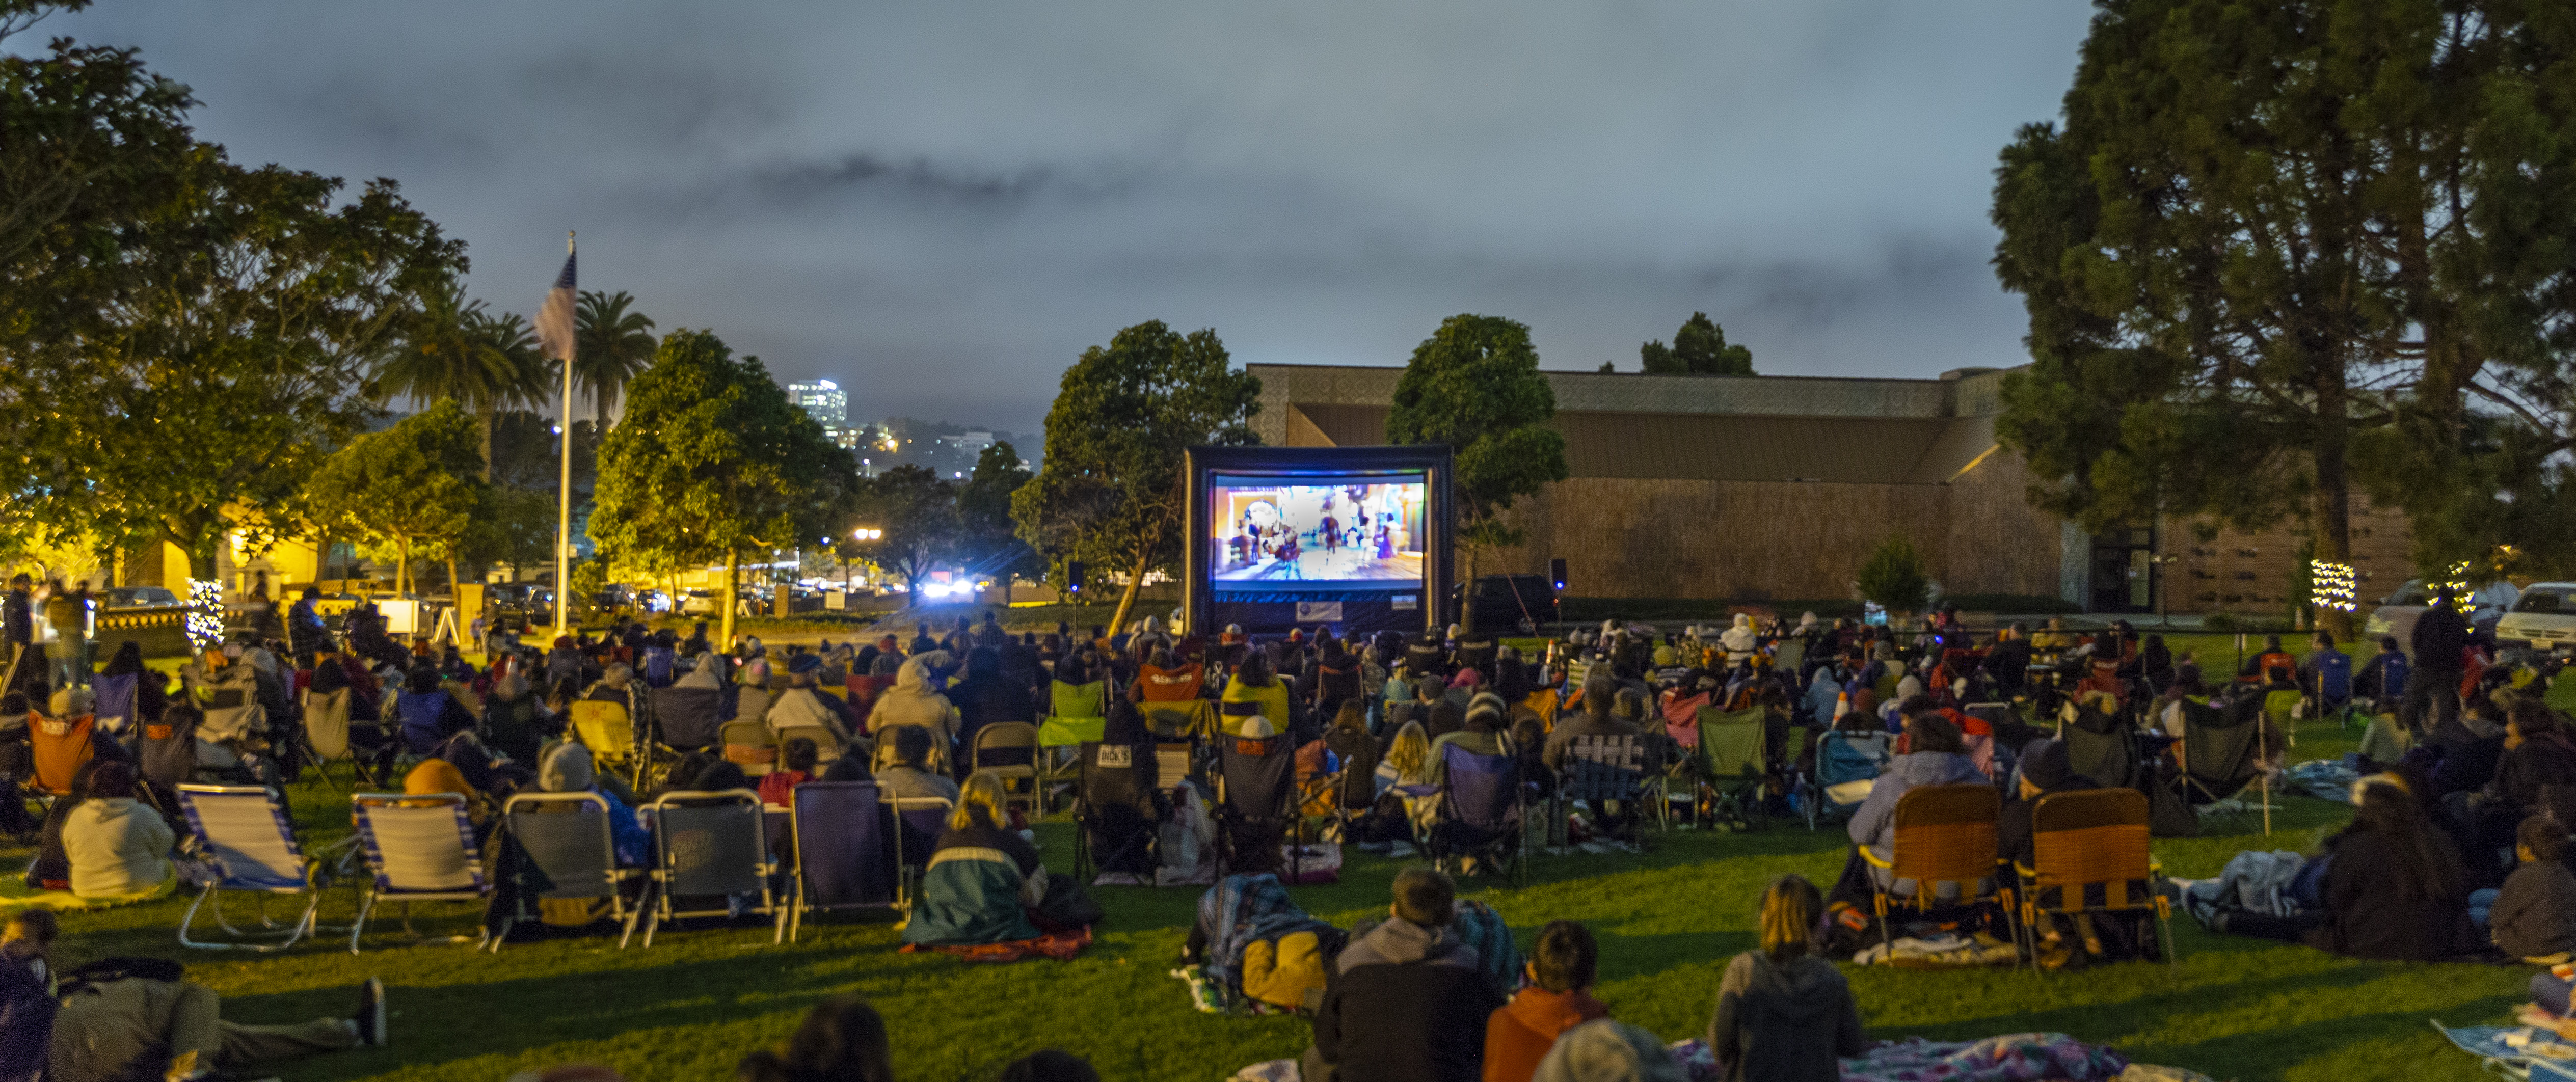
column 1775, row 488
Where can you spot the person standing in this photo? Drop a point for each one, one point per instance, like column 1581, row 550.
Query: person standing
column 17, row 625
column 2441, row 634
column 68, row 612
column 304, row 627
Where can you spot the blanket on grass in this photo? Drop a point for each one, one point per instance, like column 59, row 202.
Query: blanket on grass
column 1061, row 946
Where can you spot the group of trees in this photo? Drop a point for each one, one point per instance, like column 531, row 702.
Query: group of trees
column 2277, row 253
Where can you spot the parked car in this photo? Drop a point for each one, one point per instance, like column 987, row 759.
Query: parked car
column 137, row 597
column 2397, row 612
column 2544, row 620
column 700, row 602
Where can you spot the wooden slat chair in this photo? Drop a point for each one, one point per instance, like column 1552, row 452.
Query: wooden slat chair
column 1944, row 834
column 2087, row 838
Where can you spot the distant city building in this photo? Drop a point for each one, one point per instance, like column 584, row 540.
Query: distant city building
column 970, row 444
column 823, row 399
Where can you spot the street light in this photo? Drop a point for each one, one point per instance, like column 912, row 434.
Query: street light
column 865, row 534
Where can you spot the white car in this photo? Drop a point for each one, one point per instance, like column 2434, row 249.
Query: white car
column 700, row 602
column 2544, row 619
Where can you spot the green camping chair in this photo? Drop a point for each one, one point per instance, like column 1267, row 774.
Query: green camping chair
column 1733, row 766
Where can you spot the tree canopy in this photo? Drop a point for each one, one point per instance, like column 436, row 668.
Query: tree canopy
column 1110, row 492
column 711, row 462
column 1475, row 386
column 1699, row 349
column 413, row 486
column 988, row 539
column 915, row 514
column 612, row 342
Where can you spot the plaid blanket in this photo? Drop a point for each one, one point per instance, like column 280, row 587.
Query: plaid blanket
column 2014, row 1057
column 1239, row 910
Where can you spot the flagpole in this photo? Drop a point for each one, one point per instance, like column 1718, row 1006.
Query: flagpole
column 563, row 492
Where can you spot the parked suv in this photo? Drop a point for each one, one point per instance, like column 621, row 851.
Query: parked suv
column 2543, row 621
column 2396, row 615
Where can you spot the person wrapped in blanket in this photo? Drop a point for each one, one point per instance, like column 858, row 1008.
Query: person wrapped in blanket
column 986, row 883
column 2387, row 886
column 1252, row 943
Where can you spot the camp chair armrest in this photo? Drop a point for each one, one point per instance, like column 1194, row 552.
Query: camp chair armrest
column 1874, row 860
column 2027, row 872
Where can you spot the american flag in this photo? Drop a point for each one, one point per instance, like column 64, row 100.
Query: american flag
column 554, row 318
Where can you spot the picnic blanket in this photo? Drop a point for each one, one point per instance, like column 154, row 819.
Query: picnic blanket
column 1945, row 951
column 2013, row 1057
column 16, row 896
column 1239, row 911
column 2513, row 1047
column 2325, row 779
column 1061, row 946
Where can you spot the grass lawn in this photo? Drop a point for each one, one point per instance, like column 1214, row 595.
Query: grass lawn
column 1668, row 920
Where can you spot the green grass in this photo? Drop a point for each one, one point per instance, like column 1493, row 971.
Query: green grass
column 1667, row 920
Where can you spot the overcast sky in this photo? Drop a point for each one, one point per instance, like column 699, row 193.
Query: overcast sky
column 942, row 204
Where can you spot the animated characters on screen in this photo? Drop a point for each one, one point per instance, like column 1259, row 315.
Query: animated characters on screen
column 1342, row 533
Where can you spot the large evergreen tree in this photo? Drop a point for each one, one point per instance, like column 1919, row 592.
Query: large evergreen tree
column 1475, row 385
column 1699, row 349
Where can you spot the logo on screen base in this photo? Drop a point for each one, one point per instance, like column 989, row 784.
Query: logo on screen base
column 1405, row 602
column 1319, row 612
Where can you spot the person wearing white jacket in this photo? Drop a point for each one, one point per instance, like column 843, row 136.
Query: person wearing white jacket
column 116, row 844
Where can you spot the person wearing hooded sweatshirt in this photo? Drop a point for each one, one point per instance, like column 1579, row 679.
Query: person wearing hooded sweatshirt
column 1563, row 963
column 565, row 768
column 1406, row 1001
column 1784, row 1014
column 1740, row 639
column 1935, row 757
column 1484, row 735
column 802, row 707
column 2045, row 768
column 117, row 845
column 912, row 702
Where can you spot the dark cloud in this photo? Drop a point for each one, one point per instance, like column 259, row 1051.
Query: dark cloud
column 943, row 204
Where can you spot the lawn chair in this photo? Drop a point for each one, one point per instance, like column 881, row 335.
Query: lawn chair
column 710, row 845
column 2101, row 747
column 326, row 736
column 917, row 823
column 842, row 857
column 1944, row 834
column 1734, row 764
column 117, row 705
column 1480, row 811
column 1789, row 657
column 2221, row 752
column 566, row 851
column 1847, row 768
column 607, row 729
column 1009, row 736
column 420, row 849
column 1598, row 769
column 1256, row 802
column 1114, row 804
column 60, row 748
column 2333, row 688
column 1194, row 718
column 1355, row 788
column 827, row 744
column 689, row 716
column 244, row 831
column 751, row 746
column 2090, row 838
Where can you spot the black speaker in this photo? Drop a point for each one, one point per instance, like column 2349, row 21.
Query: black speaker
column 1556, row 573
column 1073, row 576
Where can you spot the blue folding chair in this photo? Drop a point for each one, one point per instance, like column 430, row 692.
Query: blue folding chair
column 244, row 832
column 1847, row 767
column 1480, row 812
column 658, row 665
column 117, row 706
column 842, row 857
column 2334, row 687
column 420, row 849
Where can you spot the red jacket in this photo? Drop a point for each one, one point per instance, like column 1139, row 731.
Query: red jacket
column 1519, row 1033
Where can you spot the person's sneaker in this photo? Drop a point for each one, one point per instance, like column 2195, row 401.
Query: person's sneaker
column 370, row 1018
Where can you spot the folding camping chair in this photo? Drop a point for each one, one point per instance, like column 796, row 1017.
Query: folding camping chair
column 1355, row 788
column 842, row 858
column 420, row 849
column 1480, row 811
column 60, row 748
column 827, row 744
column 327, row 737
column 2085, row 839
column 2333, row 688
column 1010, row 736
column 2101, row 747
column 689, row 716
column 118, row 702
column 607, row 729
column 1113, row 798
column 1599, row 769
column 1175, row 760
column 917, row 821
column 1847, row 768
column 244, row 831
column 1170, row 720
column 1256, row 801
column 710, row 845
column 1944, row 834
column 2221, row 753
column 751, row 746
column 566, row 851
column 1789, row 657
column 1734, row 764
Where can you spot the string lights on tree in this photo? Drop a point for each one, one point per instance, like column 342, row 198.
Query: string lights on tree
column 205, row 612
column 2333, row 587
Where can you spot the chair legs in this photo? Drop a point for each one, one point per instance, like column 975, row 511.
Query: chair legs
column 304, row 924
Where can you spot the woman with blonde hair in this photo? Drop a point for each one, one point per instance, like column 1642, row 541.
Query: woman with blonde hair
column 1784, row 1012
column 983, row 876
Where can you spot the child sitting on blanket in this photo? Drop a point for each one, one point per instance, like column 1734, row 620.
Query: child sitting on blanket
column 2534, row 916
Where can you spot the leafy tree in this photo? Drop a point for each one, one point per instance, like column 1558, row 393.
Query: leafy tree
column 454, row 349
column 515, row 526
column 612, row 345
column 1893, row 576
column 1699, row 349
column 2282, row 248
column 713, row 461
column 1110, row 492
column 989, row 538
column 915, row 511
column 1475, row 386
column 413, row 486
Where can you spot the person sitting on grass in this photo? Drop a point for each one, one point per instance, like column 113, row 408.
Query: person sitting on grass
column 983, row 876
column 1406, row 1001
column 2392, row 889
column 1784, row 1014
column 2534, row 917
column 116, row 844
column 842, row 1039
column 795, row 767
column 1563, row 964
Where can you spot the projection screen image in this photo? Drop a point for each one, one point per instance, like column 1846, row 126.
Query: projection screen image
column 1357, row 533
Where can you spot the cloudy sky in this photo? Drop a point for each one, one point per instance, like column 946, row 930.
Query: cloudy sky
column 942, row 204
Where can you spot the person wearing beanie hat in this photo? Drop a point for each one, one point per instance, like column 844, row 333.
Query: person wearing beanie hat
column 2045, row 768
column 565, row 768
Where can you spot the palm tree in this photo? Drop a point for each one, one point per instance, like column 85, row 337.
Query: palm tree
column 610, row 345
column 455, row 349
